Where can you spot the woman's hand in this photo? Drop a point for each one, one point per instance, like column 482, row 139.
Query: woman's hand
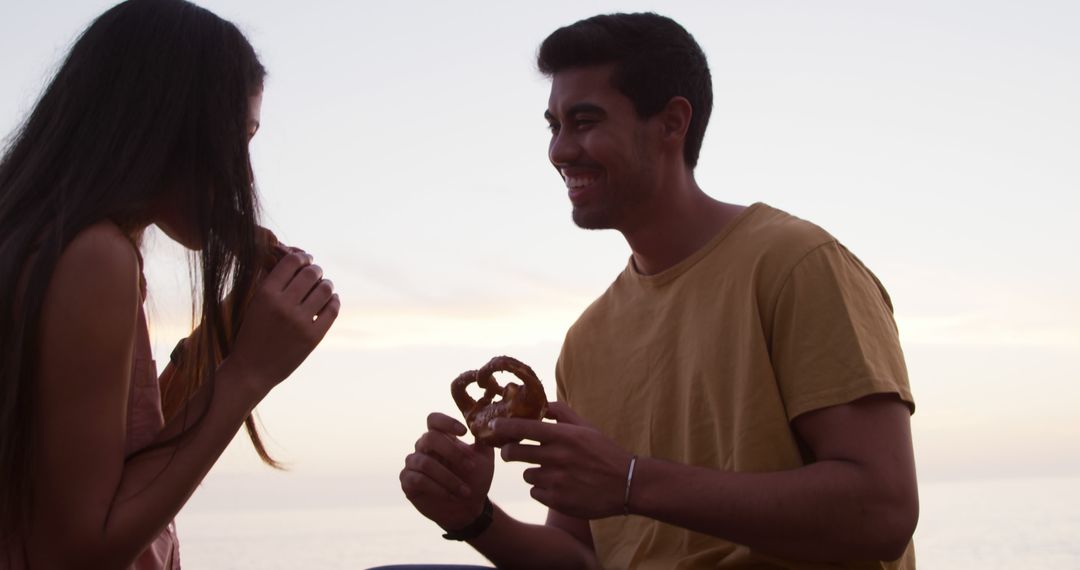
column 292, row 309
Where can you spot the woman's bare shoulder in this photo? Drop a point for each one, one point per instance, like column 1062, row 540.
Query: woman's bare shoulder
column 101, row 265
column 102, row 243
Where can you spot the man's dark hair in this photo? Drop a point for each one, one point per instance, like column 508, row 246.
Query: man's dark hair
column 655, row 59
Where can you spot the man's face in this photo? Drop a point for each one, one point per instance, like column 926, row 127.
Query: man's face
column 600, row 147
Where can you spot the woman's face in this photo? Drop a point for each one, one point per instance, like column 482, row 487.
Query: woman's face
column 169, row 212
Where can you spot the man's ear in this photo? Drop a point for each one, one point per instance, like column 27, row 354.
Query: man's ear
column 675, row 119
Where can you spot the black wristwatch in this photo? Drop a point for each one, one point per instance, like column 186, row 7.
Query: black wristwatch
column 476, row 527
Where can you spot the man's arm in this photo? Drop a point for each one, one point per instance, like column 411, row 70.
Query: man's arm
column 855, row 500
column 510, row 543
column 575, row 527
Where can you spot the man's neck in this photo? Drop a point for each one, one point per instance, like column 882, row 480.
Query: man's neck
column 681, row 223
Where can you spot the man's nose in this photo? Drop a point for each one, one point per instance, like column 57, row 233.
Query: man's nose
column 564, row 149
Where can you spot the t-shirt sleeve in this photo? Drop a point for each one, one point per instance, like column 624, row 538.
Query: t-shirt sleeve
column 833, row 338
column 560, row 373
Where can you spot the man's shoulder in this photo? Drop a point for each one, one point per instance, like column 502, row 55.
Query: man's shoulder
column 770, row 241
column 773, row 230
column 765, row 244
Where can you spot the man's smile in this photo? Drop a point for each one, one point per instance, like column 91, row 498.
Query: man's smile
column 579, row 182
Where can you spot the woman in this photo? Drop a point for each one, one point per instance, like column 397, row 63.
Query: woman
column 146, row 122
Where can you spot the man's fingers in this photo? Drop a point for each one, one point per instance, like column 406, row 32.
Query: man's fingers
column 431, row 468
column 517, row 429
column 537, row 477
column 485, row 450
column 562, row 413
column 416, row 484
column 448, row 449
column 525, row 453
column 542, row 496
column 445, row 423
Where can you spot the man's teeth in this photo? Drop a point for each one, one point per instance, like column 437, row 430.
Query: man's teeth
column 579, row 182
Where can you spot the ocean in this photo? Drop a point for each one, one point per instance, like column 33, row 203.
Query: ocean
column 1023, row 523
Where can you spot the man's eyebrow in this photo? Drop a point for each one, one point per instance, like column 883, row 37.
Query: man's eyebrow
column 578, row 109
column 582, row 108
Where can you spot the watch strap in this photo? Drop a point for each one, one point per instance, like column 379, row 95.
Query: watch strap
column 473, row 529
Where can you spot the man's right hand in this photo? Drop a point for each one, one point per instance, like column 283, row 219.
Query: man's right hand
column 447, row 479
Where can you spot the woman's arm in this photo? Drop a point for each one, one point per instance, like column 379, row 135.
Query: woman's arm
column 91, row 508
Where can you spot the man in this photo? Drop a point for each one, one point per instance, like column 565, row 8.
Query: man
column 736, row 398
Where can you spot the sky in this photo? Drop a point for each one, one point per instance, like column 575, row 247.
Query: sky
column 404, row 145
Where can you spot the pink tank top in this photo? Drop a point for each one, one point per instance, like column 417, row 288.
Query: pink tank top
column 144, row 421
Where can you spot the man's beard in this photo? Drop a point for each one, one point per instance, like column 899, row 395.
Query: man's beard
column 622, row 201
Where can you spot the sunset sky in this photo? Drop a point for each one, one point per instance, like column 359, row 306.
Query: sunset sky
column 404, row 145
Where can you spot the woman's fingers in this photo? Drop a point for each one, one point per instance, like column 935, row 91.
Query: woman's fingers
column 302, row 283
column 286, row 269
column 289, row 315
column 327, row 315
column 317, row 297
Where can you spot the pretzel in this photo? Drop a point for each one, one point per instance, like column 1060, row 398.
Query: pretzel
column 517, row 401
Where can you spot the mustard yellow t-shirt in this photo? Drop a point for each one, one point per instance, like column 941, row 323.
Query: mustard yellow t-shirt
column 708, row 362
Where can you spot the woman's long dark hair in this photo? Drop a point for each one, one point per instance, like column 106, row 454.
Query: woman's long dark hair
column 153, row 98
